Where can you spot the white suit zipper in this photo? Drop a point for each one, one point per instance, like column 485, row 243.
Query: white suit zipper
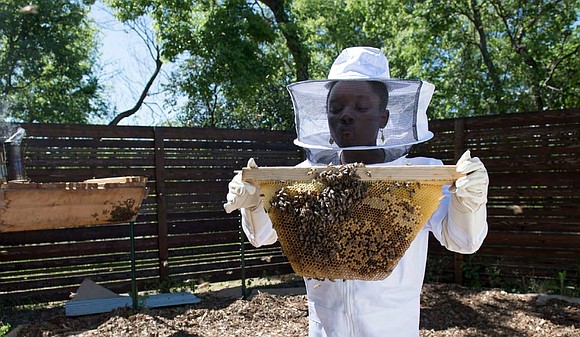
column 348, row 308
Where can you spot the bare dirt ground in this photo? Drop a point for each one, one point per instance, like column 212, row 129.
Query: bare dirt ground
column 447, row 310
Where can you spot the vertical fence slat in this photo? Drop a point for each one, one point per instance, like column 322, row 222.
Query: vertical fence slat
column 161, row 200
column 459, row 131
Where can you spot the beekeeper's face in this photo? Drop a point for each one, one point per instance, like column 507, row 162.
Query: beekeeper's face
column 356, row 112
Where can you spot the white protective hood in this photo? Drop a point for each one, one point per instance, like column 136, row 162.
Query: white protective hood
column 407, row 105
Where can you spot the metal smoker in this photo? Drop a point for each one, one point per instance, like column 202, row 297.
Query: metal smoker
column 11, row 161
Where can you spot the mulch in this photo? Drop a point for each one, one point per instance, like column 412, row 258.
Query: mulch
column 446, row 310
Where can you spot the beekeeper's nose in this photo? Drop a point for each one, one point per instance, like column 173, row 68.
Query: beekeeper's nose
column 346, row 116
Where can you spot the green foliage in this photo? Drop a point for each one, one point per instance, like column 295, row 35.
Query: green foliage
column 485, row 57
column 501, row 56
column 165, row 285
column 559, row 284
column 4, row 328
column 437, row 268
column 494, row 279
column 471, row 272
column 331, row 26
column 47, row 62
column 235, row 57
column 562, row 285
column 169, row 285
column 231, row 77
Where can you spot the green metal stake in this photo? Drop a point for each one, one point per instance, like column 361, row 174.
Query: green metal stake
column 133, row 276
column 243, row 262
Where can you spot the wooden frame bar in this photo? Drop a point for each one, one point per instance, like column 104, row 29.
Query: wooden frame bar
column 444, row 174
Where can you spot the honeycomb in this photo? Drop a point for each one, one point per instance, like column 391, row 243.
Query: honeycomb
column 340, row 227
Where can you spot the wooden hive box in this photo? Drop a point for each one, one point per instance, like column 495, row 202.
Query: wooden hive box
column 32, row 206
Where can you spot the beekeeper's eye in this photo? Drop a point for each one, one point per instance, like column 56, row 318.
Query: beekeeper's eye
column 335, row 108
column 362, row 107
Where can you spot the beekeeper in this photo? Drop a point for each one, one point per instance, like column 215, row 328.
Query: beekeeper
column 359, row 114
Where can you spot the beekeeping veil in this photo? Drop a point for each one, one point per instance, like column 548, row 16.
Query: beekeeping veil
column 407, row 105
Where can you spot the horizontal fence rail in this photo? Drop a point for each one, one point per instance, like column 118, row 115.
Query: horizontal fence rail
column 182, row 233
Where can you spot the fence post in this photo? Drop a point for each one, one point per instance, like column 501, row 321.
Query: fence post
column 161, row 201
column 459, row 148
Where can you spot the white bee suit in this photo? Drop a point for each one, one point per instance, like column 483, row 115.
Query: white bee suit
column 387, row 308
column 379, row 308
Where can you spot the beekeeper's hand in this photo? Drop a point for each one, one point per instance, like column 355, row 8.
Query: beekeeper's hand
column 242, row 194
column 469, row 192
column 465, row 226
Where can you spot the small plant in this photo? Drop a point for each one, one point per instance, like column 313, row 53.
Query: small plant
column 561, row 277
column 560, row 285
column 169, row 285
column 494, row 276
column 166, row 285
column 4, row 328
column 437, row 267
column 186, row 286
column 471, row 273
column 141, row 298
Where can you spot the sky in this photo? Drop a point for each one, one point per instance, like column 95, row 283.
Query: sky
column 127, row 66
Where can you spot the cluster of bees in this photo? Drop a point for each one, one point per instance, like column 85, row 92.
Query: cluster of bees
column 339, row 227
column 325, row 200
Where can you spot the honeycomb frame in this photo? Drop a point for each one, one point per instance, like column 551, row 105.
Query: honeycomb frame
column 341, row 223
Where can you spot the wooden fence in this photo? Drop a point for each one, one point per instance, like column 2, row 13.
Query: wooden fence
column 532, row 160
column 182, row 232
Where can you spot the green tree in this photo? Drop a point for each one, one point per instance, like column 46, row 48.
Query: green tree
column 225, row 87
column 233, row 58
column 545, row 43
column 493, row 57
column 48, row 54
column 484, row 56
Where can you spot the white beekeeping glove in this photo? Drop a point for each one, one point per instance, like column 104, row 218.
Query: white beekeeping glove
column 470, row 192
column 465, row 226
column 242, row 194
column 246, row 197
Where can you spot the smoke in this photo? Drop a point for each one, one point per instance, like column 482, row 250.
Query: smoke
column 7, row 128
column 17, row 136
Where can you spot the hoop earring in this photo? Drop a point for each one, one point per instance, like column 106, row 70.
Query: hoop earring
column 331, row 141
column 382, row 136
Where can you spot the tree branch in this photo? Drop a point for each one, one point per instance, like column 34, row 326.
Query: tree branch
column 487, row 59
column 556, row 63
column 293, row 39
column 137, row 106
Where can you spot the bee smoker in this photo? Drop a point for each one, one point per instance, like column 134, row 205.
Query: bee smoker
column 13, row 157
column 3, row 173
